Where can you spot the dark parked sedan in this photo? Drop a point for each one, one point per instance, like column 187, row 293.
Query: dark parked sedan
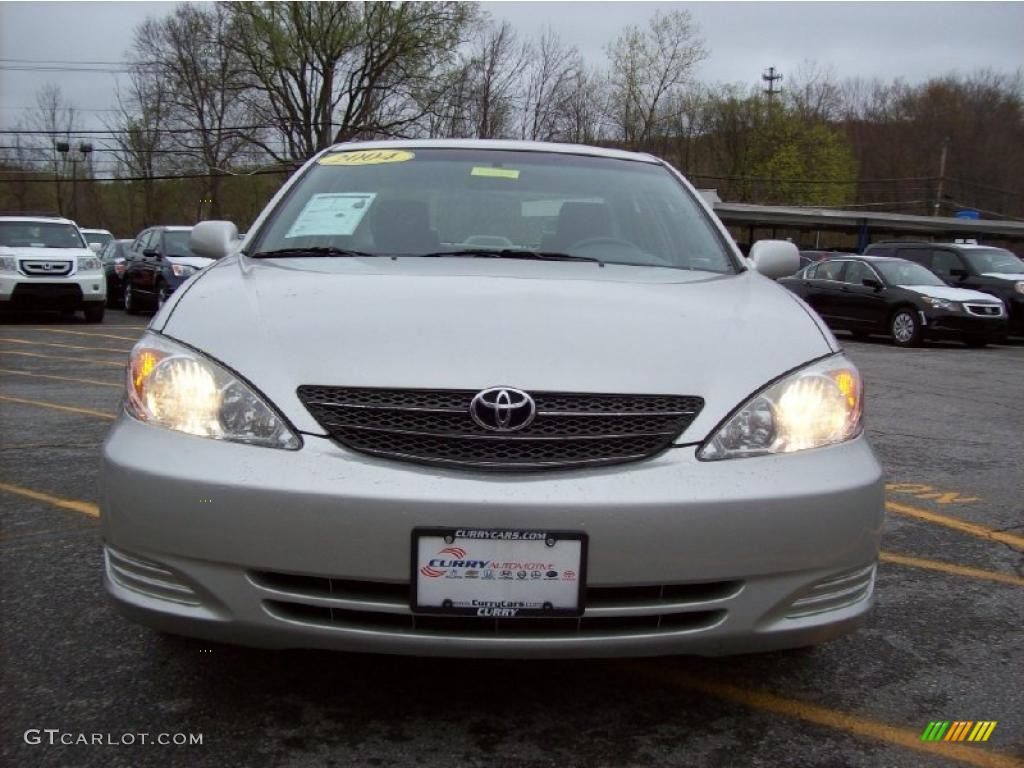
column 114, row 256
column 868, row 294
column 160, row 261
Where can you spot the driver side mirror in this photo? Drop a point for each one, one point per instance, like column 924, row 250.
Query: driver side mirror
column 775, row 258
column 95, row 247
column 870, row 282
column 213, row 239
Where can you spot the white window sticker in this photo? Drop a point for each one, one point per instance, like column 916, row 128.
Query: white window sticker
column 332, row 214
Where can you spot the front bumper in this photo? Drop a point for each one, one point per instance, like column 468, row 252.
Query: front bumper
column 71, row 292
column 940, row 323
column 310, row 548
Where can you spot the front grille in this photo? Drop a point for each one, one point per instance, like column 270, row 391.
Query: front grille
column 380, row 606
column 435, row 427
column 46, row 268
column 985, row 310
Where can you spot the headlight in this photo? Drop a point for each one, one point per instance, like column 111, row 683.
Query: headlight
column 931, row 301
column 815, row 406
column 8, row 264
column 175, row 387
column 182, row 270
column 1019, row 286
column 89, row 264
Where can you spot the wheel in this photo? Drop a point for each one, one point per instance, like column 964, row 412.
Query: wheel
column 976, row 342
column 906, row 328
column 163, row 293
column 94, row 314
column 130, row 302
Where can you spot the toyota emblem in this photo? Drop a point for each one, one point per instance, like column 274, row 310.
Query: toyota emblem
column 502, row 409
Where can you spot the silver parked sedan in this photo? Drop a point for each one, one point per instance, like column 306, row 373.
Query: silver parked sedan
column 472, row 398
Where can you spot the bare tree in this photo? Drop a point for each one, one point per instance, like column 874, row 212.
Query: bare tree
column 585, row 106
column 493, row 77
column 327, row 72
column 202, row 81
column 54, row 118
column 646, row 67
column 549, row 78
column 815, row 93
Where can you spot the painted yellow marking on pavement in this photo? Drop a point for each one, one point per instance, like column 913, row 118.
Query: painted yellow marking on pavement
column 84, row 507
column 58, row 407
column 89, row 333
column 63, row 359
column 975, row 529
column 818, row 715
column 118, row 385
column 922, row 491
column 954, row 569
column 63, row 346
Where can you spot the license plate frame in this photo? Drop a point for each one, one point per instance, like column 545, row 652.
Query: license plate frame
column 519, row 599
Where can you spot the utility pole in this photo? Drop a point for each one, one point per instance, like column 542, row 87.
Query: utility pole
column 942, row 176
column 770, row 76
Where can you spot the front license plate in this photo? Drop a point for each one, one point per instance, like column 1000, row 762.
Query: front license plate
column 498, row 573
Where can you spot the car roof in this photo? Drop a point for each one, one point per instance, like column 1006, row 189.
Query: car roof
column 37, row 219
column 499, row 144
column 94, row 229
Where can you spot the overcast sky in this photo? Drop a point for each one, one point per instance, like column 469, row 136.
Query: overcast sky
column 908, row 40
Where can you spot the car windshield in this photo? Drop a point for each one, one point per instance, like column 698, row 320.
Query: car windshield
column 97, row 237
column 176, row 242
column 899, row 272
column 495, row 202
column 37, row 234
column 995, row 260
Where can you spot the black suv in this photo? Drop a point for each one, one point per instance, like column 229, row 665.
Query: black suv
column 984, row 268
column 157, row 263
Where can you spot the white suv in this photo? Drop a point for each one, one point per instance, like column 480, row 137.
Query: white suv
column 46, row 264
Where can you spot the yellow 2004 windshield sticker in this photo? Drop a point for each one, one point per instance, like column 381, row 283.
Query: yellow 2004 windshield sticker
column 367, row 157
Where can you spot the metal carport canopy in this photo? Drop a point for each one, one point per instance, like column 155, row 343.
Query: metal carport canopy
column 781, row 216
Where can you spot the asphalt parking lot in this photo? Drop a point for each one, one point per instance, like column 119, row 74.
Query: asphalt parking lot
column 944, row 643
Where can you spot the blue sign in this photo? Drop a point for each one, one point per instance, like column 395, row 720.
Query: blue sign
column 966, row 213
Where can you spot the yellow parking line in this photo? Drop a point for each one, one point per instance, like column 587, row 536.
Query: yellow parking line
column 953, row 569
column 56, row 407
column 84, row 507
column 63, row 346
column 818, row 715
column 119, row 385
column 88, row 333
column 63, row 359
column 981, row 531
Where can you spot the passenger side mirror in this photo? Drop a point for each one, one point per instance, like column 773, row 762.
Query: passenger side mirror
column 775, row 258
column 870, row 282
column 213, row 239
column 95, row 247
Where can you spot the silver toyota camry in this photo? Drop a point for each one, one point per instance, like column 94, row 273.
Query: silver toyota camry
column 468, row 398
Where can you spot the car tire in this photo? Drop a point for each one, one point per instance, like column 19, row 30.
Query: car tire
column 905, row 327
column 130, row 302
column 95, row 314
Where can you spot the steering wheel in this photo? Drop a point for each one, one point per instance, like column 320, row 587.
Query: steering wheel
column 590, row 242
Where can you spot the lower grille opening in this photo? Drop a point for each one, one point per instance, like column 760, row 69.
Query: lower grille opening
column 480, row 627
column 596, row 597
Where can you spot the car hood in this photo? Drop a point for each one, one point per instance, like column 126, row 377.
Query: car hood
column 474, row 323
column 950, row 293
column 191, row 261
column 44, row 254
column 1004, row 275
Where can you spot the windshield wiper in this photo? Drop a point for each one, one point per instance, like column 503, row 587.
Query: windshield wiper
column 514, row 253
column 284, row 253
